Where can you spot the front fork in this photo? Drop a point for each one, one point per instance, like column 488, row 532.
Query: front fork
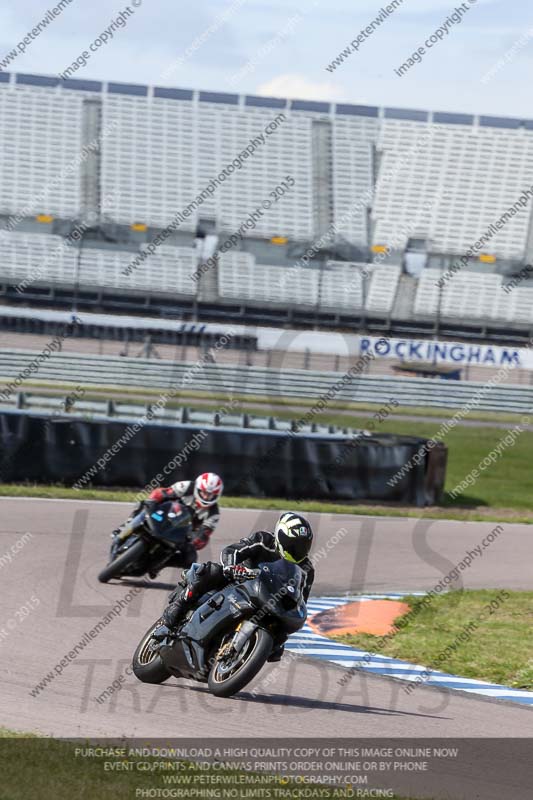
column 127, row 530
column 242, row 633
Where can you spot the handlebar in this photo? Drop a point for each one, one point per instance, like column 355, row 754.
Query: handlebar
column 239, row 573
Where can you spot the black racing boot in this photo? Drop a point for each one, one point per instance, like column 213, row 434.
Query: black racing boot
column 171, row 617
column 174, row 612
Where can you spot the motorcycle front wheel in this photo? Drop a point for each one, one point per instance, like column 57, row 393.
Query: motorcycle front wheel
column 147, row 664
column 119, row 565
column 230, row 676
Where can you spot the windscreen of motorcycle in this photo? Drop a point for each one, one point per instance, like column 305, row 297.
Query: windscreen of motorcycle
column 282, row 582
column 171, row 521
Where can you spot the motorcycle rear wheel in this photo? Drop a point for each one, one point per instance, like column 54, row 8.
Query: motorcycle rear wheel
column 119, row 565
column 147, row 664
column 224, row 681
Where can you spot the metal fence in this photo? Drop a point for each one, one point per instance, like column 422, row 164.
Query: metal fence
column 55, row 407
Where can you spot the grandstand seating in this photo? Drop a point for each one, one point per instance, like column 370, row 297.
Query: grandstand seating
column 225, row 133
column 448, row 183
column 39, row 158
column 383, row 288
column 27, row 258
column 159, row 155
column 341, row 287
column 147, row 160
column 46, row 259
column 440, row 177
column 473, row 295
column 240, row 278
column 33, row 257
column 352, row 144
column 168, row 271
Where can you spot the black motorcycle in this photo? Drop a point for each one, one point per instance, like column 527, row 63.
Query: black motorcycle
column 154, row 538
column 228, row 635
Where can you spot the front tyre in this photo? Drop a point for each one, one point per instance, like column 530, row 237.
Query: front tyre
column 119, row 566
column 229, row 676
column 147, row 664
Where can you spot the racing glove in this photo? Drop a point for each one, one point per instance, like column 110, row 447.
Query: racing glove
column 239, row 573
column 202, row 538
column 161, row 494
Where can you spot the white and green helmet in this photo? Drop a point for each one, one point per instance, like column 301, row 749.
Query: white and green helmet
column 294, row 537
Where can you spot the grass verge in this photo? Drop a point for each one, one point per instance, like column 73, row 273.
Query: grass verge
column 279, row 504
column 461, row 633
column 48, row 769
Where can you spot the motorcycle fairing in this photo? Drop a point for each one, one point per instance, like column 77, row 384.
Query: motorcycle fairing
column 269, row 595
column 170, row 523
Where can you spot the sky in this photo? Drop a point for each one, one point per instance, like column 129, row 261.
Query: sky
column 282, row 48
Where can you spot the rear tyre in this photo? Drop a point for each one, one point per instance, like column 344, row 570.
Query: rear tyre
column 147, row 664
column 227, row 679
column 119, row 565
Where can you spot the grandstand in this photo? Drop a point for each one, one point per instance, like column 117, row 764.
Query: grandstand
column 131, row 159
column 455, row 175
column 157, row 148
column 473, row 295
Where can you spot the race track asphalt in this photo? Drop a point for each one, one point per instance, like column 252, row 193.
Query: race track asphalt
column 58, row 565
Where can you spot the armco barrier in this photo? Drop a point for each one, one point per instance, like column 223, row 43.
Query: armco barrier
column 267, row 463
column 139, row 373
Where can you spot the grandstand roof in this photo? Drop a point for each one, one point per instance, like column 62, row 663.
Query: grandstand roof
column 171, row 93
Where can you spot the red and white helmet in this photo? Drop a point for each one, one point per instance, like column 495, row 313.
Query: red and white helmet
column 207, row 489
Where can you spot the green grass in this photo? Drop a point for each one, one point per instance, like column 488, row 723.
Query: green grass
column 47, row 769
column 278, row 504
column 500, row 650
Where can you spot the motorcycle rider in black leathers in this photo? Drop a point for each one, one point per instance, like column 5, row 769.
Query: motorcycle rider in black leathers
column 291, row 539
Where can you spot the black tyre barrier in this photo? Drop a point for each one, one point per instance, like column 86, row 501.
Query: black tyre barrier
column 263, row 463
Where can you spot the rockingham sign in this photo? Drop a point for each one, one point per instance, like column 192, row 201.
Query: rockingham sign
column 432, row 352
column 412, row 351
column 353, row 346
